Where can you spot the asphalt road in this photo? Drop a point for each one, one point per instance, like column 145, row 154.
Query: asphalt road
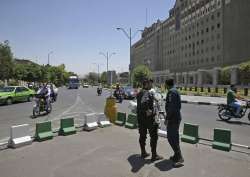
column 84, row 100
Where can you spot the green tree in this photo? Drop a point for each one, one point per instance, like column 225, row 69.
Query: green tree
column 103, row 78
column 140, row 73
column 6, row 61
column 92, row 77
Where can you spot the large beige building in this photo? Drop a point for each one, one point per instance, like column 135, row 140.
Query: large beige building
column 199, row 35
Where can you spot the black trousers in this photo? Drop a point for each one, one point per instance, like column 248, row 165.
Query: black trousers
column 174, row 137
column 148, row 125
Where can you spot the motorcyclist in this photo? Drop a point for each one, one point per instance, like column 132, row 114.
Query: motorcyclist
column 99, row 89
column 44, row 93
column 52, row 92
column 233, row 100
column 117, row 91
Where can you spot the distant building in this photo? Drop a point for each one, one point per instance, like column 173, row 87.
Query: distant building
column 198, row 35
column 123, row 78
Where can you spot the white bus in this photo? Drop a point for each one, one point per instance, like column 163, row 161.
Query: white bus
column 74, row 82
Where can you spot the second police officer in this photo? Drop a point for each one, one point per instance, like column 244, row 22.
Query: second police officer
column 173, row 120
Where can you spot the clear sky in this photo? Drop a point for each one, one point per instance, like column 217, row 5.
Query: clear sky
column 76, row 30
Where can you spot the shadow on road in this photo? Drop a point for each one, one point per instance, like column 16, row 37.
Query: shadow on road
column 235, row 122
column 40, row 115
column 137, row 162
column 165, row 165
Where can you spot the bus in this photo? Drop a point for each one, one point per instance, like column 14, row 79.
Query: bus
column 74, row 82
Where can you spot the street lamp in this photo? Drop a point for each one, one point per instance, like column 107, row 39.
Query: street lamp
column 107, row 56
column 98, row 70
column 130, row 37
column 49, row 56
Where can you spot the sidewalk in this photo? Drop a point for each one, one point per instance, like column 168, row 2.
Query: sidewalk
column 113, row 152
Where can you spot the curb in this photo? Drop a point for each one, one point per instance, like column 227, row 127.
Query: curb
column 200, row 103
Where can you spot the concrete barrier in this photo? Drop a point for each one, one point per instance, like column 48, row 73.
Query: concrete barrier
column 102, row 120
column 131, row 122
column 43, row 131
column 90, row 122
column 67, row 126
column 190, row 133
column 222, row 139
column 19, row 136
column 121, row 119
column 162, row 131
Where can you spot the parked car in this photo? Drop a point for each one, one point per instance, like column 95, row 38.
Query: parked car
column 129, row 92
column 11, row 94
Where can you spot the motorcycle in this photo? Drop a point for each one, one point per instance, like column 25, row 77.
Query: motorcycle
column 99, row 91
column 227, row 112
column 40, row 106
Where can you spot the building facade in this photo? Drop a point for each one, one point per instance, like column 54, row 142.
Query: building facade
column 198, row 38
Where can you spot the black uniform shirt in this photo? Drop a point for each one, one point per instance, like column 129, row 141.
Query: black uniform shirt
column 173, row 105
column 145, row 102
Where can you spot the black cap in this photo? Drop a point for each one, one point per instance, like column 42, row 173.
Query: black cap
column 170, row 82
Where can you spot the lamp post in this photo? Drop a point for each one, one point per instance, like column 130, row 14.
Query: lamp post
column 49, row 57
column 107, row 56
column 130, row 37
column 98, row 70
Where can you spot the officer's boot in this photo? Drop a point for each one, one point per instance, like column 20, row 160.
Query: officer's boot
column 144, row 153
column 178, row 159
column 155, row 156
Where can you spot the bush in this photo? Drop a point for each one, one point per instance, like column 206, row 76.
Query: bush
column 225, row 76
column 244, row 73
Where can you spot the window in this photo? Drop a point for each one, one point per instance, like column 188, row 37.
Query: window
column 202, row 41
column 18, row 89
column 212, row 17
column 212, row 59
column 198, row 33
column 198, row 42
column 218, row 14
column 207, row 30
column 202, row 32
column 24, row 89
column 212, row 27
column 218, row 25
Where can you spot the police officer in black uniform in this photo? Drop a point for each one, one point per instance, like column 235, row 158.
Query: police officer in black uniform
column 173, row 120
column 146, row 120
